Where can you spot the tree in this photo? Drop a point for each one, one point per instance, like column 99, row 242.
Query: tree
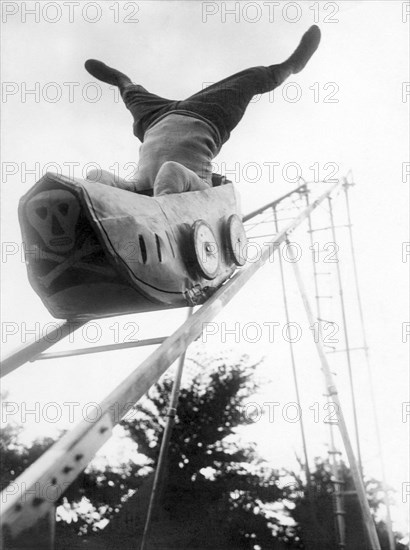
column 323, row 494
column 215, row 486
column 214, row 482
column 217, row 492
column 16, row 457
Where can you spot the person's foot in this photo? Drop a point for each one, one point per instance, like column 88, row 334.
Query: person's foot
column 101, row 71
column 307, row 47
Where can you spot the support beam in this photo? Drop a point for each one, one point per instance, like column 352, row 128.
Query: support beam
column 346, row 339
column 63, row 462
column 295, row 376
column 166, row 438
column 370, row 528
column 339, row 519
column 365, row 348
column 100, row 349
column 301, row 189
column 28, row 352
column 32, row 350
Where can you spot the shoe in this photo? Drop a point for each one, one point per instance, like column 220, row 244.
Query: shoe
column 101, row 71
column 307, row 47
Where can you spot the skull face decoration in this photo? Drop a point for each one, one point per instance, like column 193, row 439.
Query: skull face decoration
column 54, row 215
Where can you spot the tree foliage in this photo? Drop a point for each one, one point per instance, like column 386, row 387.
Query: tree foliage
column 217, row 492
column 214, row 481
column 321, row 533
column 215, row 484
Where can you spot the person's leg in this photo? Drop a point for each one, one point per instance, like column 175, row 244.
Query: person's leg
column 144, row 106
column 173, row 177
column 225, row 102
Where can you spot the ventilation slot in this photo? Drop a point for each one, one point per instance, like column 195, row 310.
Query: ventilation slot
column 157, row 240
column 143, row 249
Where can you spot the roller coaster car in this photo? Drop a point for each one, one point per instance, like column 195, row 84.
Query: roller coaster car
column 95, row 251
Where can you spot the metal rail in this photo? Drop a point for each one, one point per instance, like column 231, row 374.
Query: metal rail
column 346, row 340
column 300, row 189
column 369, row 525
column 338, row 508
column 30, row 351
column 295, row 375
column 159, row 471
column 365, row 348
column 100, row 349
column 34, row 350
column 42, row 484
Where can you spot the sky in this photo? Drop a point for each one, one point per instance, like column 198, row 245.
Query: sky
column 348, row 110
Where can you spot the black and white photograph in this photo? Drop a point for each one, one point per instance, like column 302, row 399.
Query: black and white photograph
column 205, row 257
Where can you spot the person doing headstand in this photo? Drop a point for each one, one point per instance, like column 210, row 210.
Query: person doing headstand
column 181, row 138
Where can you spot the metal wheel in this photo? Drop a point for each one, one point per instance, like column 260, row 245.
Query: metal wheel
column 206, row 249
column 237, row 240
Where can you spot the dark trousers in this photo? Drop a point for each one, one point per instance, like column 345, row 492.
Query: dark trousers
column 223, row 103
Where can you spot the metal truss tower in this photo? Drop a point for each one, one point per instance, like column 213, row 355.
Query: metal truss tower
column 67, row 458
